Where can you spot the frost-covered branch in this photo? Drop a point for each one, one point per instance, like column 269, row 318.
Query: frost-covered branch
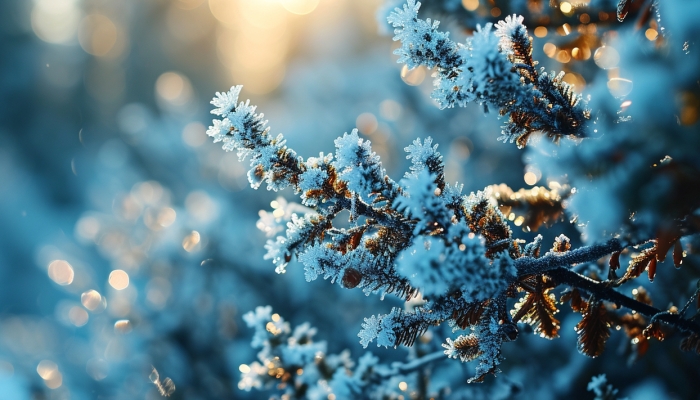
column 301, row 368
column 422, row 236
column 603, row 291
column 534, row 266
column 494, row 67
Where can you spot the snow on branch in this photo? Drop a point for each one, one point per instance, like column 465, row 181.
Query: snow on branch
column 493, row 67
column 299, row 367
column 422, row 237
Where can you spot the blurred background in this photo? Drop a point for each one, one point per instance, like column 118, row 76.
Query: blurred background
column 130, row 242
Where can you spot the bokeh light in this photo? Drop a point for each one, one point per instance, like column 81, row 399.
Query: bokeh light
column 97, row 368
column 470, row 5
column 61, row 272
column 201, row 206
column 415, row 76
column 191, row 242
column 97, row 34
column 55, row 21
column 366, row 123
column 566, row 8
column 620, row 87
column 78, row 316
column 91, row 299
column 173, row 90
column 48, row 371
column 119, row 279
column 651, row 34
column 123, row 326
column 606, row 57
column 194, row 134
column 390, row 110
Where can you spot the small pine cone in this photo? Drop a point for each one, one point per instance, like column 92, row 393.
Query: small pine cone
column 351, row 278
column 466, row 348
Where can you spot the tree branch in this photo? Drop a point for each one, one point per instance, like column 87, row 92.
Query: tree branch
column 601, row 291
column 535, row 266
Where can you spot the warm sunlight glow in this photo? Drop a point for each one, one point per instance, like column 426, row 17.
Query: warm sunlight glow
column 299, row 7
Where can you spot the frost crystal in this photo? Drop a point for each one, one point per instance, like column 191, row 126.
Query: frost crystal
column 422, row 42
column 511, row 27
column 358, row 165
column 225, row 102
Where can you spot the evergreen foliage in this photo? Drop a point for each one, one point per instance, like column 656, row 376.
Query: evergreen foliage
column 422, row 237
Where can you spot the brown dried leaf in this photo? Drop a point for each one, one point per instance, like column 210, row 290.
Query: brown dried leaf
column 578, row 304
column 651, row 269
column 677, row 254
column 615, row 261
column 538, row 309
column 522, row 307
column 638, row 264
column 654, row 331
column 642, row 345
column 352, row 240
column 634, row 325
column 666, row 239
column 355, row 240
column 593, row 330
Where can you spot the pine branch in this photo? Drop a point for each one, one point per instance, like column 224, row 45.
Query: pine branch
column 421, row 235
column 494, row 67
